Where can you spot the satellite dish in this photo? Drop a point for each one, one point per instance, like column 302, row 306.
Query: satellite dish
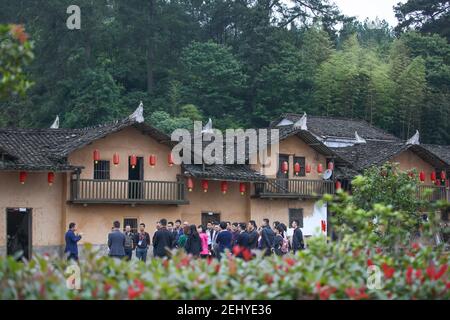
column 327, row 174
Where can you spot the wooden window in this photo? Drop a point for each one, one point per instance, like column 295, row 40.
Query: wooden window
column 101, row 170
column 296, row 214
column 302, row 162
column 132, row 222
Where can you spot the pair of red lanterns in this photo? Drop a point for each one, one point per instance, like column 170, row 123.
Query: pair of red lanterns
column 297, row 167
column 133, row 159
column 50, row 177
column 223, row 186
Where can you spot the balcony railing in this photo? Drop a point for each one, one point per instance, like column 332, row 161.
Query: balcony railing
column 127, row 191
column 433, row 193
column 293, row 188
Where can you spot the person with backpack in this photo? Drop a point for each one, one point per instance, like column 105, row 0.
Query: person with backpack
column 280, row 242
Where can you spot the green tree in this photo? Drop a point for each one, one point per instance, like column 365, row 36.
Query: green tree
column 15, row 53
column 212, row 79
column 424, row 15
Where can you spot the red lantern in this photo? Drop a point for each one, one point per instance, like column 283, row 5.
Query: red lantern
column 152, row 160
column 205, row 185
column 224, row 187
column 96, row 156
column 297, row 168
column 422, row 176
column 338, row 185
column 442, row 175
column 308, row 168
column 170, row 159
column 330, row 166
column 50, row 178
column 242, row 188
column 438, row 182
column 284, row 167
column 433, row 176
column 324, row 225
column 116, row 159
column 190, row 184
column 22, row 177
column 133, row 161
column 319, row 168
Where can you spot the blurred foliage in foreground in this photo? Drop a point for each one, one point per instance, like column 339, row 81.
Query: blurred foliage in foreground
column 376, row 245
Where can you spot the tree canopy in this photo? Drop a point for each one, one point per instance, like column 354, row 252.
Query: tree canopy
column 241, row 63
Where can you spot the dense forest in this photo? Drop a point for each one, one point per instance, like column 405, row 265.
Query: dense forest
column 240, row 62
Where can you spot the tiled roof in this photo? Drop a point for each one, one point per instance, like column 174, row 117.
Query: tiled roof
column 47, row 149
column 339, row 127
column 372, row 153
column 224, row 172
column 442, row 152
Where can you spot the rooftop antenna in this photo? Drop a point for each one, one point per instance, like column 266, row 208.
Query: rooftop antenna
column 359, row 139
column 301, row 124
column 55, row 124
column 414, row 139
column 138, row 114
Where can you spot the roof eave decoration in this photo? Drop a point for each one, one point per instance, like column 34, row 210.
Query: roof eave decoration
column 301, row 124
column 358, row 139
column 138, row 114
column 415, row 139
column 55, row 124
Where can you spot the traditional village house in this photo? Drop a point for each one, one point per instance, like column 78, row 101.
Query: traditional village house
column 124, row 171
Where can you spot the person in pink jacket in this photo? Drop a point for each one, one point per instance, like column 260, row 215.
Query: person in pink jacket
column 204, row 241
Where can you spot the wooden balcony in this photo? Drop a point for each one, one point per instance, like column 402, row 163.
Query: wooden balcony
column 87, row 191
column 433, row 193
column 293, row 188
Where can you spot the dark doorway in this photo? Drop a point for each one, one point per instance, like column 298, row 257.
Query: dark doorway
column 282, row 178
column 136, row 177
column 210, row 217
column 18, row 232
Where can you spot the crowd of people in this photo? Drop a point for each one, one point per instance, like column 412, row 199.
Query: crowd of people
column 204, row 241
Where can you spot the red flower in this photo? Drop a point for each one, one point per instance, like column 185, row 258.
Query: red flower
column 325, row 292
column 369, row 262
column 132, row 293
column 139, row 284
column 388, row 271
column 362, row 294
column 246, row 254
column 107, row 287
column 431, row 271
column 290, row 261
column 268, row 279
column 415, row 246
column 447, row 285
column 409, row 272
column 441, row 272
column 418, row 274
column 378, row 250
column 350, row 292
column 18, row 32
column 185, row 261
